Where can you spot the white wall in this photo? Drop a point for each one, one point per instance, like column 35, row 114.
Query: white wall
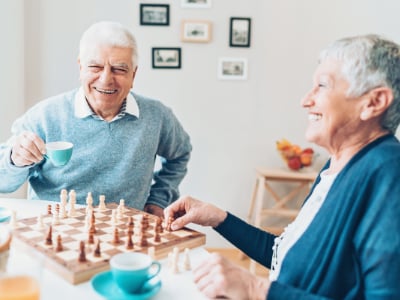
column 12, row 67
column 233, row 124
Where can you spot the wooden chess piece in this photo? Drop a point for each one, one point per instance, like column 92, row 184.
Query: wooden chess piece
column 97, row 251
column 129, row 242
column 49, row 209
column 59, row 247
column 116, row 239
column 82, row 254
column 49, row 238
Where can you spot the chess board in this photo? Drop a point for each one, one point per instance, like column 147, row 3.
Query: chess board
column 73, row 230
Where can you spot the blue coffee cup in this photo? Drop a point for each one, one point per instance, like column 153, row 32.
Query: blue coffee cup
column 59, row 153
column 131, row 270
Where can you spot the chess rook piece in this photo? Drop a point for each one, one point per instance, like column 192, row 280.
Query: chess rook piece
column 82, row 254
column 49, row 238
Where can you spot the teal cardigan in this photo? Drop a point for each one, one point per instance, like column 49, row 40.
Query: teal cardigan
column 351, row 250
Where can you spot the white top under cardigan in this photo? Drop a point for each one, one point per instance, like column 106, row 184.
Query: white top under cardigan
column 294, row 231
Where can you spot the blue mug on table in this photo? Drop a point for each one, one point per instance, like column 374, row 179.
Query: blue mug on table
column 131, row 270
column 59, row 153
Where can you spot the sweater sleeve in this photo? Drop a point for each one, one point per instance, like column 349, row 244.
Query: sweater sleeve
column 253, row 241
column 11, row 177
column 174, row 151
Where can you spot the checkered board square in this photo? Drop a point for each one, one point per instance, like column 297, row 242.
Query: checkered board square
column 73, row 230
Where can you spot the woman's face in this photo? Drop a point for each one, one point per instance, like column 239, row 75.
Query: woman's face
column 333, row 117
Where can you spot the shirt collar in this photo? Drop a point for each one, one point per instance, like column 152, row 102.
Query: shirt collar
column 83, row 110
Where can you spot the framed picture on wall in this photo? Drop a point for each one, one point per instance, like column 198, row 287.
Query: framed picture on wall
column 166, row 58
column 232, row 68
column 196, row 31
column 239, row 32
column 196, row 3
column 154, row 14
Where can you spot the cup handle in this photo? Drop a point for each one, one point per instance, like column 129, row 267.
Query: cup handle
column 156, row 266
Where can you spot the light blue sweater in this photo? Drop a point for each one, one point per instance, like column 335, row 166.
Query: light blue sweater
column 115, row 158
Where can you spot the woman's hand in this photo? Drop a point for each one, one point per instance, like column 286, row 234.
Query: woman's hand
column 187, row 210
column 217, row 278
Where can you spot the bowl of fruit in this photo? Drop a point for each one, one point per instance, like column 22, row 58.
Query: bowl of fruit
column 294, row 156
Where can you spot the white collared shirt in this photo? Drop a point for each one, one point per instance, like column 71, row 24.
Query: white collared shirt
column 83, row 110
column 295, row 230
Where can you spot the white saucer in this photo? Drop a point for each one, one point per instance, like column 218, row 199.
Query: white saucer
column 104, row 285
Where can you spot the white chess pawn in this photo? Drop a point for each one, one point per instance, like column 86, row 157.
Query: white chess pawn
column 120, row 212
column 63, row 197
column 114, row 219
column 13, row 220
column 63, row 211
column 40, row 223
column 186, row 260
column 121, row 206
column 174, row 262
column 56, row 219
column 102, row 202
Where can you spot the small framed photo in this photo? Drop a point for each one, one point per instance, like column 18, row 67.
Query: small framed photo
column 239, row 32
column 196, row 31
column 154, row 14
column 166, row 58
column 232, row 68
column 196, row 3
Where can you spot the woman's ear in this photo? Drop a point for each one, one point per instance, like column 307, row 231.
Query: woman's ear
column 378, row 101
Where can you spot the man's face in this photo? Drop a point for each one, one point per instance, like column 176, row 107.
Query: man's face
column 106, row 75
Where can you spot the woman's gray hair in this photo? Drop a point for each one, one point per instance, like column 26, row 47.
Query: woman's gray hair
column 108, row 34
column 370, row 61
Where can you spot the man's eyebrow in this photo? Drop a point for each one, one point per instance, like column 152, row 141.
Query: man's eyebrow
column 120, row 65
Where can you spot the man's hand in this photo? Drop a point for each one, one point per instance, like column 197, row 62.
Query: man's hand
column 28, row 149
column 218, row 278
column 187, row 210
column 154, row 210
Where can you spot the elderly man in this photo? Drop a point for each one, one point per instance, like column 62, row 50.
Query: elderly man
column 116, row 133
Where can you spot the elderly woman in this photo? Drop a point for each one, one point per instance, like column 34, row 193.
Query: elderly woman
column 345, row 242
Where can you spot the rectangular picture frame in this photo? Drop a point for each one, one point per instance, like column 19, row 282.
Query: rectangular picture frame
column 239, row 32
column 196, row 3
column 196, row 31
column 232, row 68
column 154, row 14
column 166, row 57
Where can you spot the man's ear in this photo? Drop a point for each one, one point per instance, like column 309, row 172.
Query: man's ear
column 377, row 102
column 133, row 76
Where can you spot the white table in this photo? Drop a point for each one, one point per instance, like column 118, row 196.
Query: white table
column 174, row 286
